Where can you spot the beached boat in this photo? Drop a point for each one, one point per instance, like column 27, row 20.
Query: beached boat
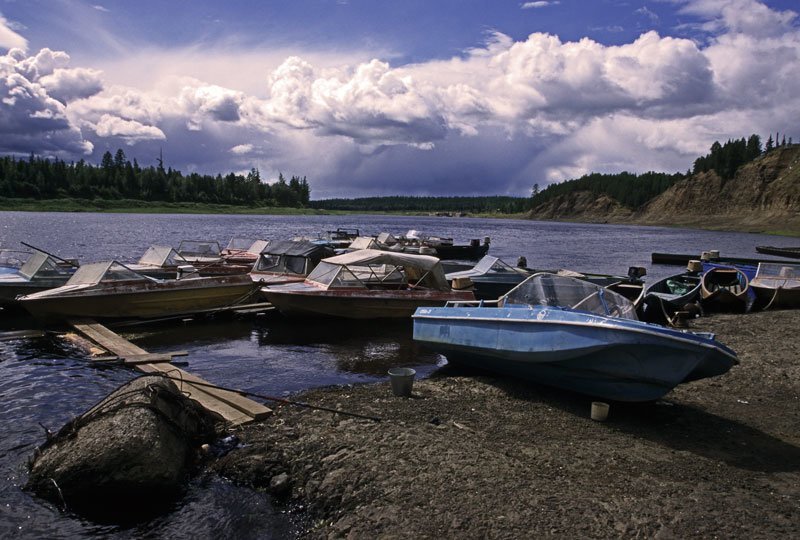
column 667, row 296
column 791, row 252
column 40, row 272
column 111, row 290
column 777, row 286
column 571, row 334
column 288, row 261
column 367, row 284
column 164, row 262
column 726, row 288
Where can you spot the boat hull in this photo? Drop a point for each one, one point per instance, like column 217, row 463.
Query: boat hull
column 776, row 298
column 155, row 300
column 609, row 358
column 358, row 304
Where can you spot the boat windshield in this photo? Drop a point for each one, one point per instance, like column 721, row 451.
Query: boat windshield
column 487, row 265
column 92, row 274
column 566, row 292
column 281, row 264
column 239, row 244
column 202, row 248
column 162, row 256
column 40, row 265
column 774, row 275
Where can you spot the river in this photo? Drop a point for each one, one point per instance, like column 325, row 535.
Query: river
column 46, row 382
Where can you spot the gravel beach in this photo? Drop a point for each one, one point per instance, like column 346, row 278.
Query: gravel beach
column 474, row 455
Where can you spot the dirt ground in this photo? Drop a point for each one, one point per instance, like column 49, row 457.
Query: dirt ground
column 475, row 455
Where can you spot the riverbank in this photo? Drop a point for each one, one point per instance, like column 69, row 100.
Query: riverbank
column 473, row 455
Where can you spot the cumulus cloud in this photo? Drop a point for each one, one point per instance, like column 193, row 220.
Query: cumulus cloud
column 497, row 118
column 9, row 39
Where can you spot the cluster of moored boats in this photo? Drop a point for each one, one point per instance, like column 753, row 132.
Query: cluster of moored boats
column 604, row 335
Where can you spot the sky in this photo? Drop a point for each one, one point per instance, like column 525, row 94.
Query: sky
column 397, row 97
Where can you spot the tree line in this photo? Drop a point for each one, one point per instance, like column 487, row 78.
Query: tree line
column 474, row 205
column 633, row 190
column 118, row 178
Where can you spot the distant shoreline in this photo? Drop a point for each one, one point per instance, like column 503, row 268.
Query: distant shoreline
column 720, row 223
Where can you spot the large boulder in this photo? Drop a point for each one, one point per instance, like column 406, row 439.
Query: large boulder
column 126, row 457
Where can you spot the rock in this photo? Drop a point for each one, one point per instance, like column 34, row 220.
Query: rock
column 280, row 485
column 127, row 456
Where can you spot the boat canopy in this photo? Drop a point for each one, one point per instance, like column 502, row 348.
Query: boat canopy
column 162, row 256
column 359, row 269
column 41, row 265
column 774, row 275
column 487, row 265
column 92, row 274
column 364, row 242
column 552, row 290
column 291, row 256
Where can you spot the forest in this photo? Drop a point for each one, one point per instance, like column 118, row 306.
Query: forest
column 475, row 205
column 117, row 178
column 633, row 190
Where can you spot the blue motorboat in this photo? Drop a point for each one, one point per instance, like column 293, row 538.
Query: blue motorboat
column 572, row 334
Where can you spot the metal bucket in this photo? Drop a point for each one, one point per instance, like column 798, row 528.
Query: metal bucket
column 402, row 380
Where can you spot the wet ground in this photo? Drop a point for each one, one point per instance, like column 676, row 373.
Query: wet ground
column 474, row 456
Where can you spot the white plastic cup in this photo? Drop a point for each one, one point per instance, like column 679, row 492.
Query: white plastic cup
column 599, row 411
column 402, row 380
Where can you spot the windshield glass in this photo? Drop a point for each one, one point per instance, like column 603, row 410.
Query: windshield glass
column 571, row 293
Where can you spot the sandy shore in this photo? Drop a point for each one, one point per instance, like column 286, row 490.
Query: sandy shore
column 475, row 456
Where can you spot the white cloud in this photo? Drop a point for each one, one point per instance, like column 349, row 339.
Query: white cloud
column 9, row 39
column 101, row 8
column 539, row 4
column 242, row 149
column 499, row 117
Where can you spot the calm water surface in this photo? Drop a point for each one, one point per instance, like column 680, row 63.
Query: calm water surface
column 47, row 381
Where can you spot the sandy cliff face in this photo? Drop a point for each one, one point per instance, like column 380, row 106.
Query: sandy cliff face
column 764, row 195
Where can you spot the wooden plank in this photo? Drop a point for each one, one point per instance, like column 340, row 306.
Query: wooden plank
column 20, row 334
column 234, row 408
column 247, row 406
column 209, row 402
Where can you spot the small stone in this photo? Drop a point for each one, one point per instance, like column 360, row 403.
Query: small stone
column 280, row 485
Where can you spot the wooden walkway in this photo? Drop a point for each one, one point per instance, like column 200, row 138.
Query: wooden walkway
column 234, row 408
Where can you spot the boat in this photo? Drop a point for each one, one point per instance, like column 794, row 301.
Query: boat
column 777, row 286
column 111, row 290
column 288, row 261
column 726, row 288
column 243, row 251
column 367, row 284
column 791, row 252
column 491, row 278
column 667, row 296
column 416, row 242
column 200, row 251
column 40, row 272
column 678, row 259
column 574, row 335
column 164, row 262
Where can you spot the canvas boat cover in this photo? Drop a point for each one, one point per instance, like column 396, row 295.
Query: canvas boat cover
column 297, row 248
column 364, row 242
column 162, row 256
column 569, row 293
column 774, row 275
column 353, row 269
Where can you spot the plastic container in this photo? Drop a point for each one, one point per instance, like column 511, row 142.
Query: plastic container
column 402, row 380
column 599, row 411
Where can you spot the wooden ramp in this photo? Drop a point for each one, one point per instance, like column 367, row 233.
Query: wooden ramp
column 232, row 407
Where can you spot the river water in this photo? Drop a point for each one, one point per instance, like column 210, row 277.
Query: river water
column 46, row 382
